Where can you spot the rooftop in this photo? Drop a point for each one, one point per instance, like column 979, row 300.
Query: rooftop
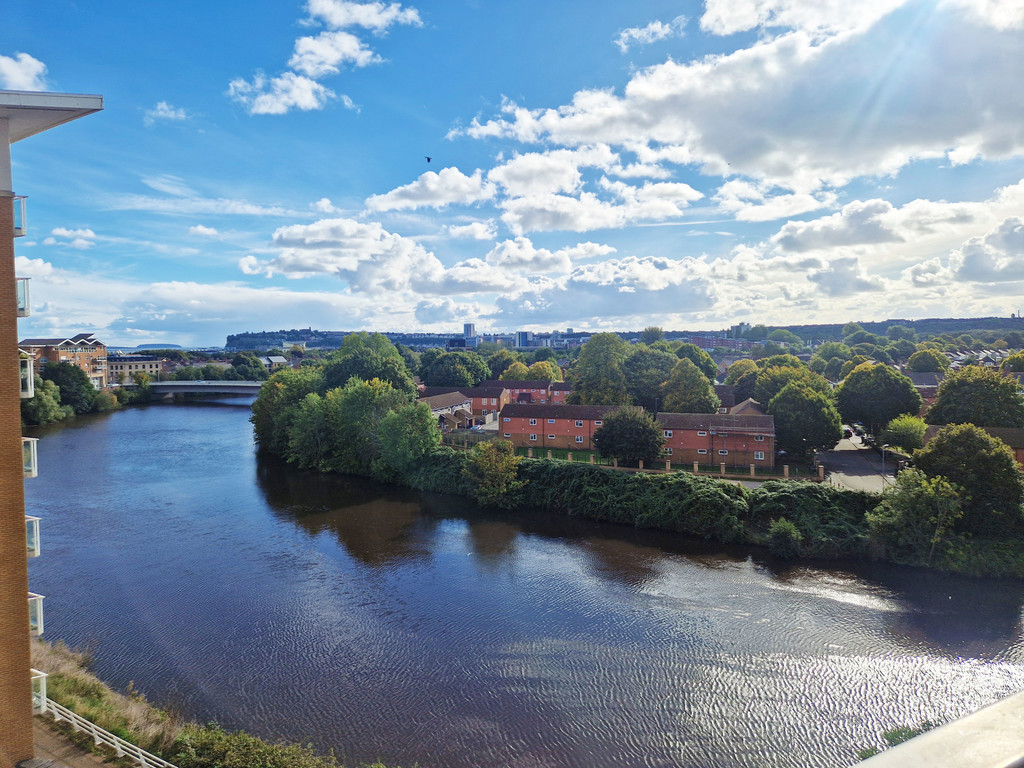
column 32, row 112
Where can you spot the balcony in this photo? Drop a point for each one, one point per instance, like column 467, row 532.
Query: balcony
column 20, row 216
column 32, row 536
column 28, row 377
column 29, row 456
column 35, row 614
column 24, row 306
column 38, row 692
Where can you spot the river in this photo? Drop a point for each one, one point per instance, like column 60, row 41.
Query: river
column 418, row 629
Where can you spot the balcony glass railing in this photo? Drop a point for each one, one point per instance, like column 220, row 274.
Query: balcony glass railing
column 32, row 536
column 24, row 306
column 20, row 216
column 29, row 456
column 38, row 692
column 28, row 378
column 35, row 614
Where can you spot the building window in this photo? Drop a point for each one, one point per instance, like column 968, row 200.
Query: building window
column 668, row 433
column 506, row 419
column 551, row 421
column 579, row 422
column 579, row 438
column 551, row 437
column 758, row 455
column 597, row 423
column 702, row 434
column 533, row 437
column 702, row 451
column 506, row 434
column 722, row 452
column 668, row 451
column 533, row 422
column 759, row 438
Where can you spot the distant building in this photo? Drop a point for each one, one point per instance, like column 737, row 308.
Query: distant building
column 83, row 350
column 121, row 367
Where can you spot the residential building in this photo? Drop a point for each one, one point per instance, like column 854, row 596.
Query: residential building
column 530, row 391
column 273, row 362
column 485, row 400
column 121, row 367
column 552, row 426
column 453, row 410
column 83, row 350
column 22, row 115
column 719, row 438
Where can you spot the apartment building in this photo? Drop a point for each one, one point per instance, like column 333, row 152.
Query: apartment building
column 486, row 400
column 736, row 440
column 83, row 350
column 528, row 391
column 552, row 426
column 22, row 691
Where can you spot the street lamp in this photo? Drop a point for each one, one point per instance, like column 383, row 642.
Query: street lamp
column 884, row 446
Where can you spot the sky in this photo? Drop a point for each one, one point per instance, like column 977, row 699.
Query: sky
column 593, row 164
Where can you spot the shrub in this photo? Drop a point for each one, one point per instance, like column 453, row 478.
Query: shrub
column 784, row 539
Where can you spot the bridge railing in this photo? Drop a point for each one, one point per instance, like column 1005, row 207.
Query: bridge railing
column 121, row 747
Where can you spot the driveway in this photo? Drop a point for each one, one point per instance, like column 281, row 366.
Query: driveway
column 852, row 464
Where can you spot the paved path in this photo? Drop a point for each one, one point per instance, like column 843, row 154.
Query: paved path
column 54, row 751
column 852, row 464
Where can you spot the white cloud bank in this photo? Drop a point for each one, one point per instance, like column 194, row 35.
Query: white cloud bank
column 22, row 72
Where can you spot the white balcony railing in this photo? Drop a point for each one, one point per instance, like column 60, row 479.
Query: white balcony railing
column 39, row 699
column 20, row 216
column 28, row 377
column 32, row 536
column 29, row 456
column 24, row 305
column 121, row 747
column 35, row 614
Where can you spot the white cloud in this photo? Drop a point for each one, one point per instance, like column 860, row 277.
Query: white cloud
column 79, row 239
column 171, row 185
column 194, row 204
column 521, row 255
column 435, row 190
column 844, row 277
column 327, row 52
column 475, row 230
column 22, row 73
column 376, row 16
column 725, row 17
column 656, row 30
column 997, row 256
column 756, row 202
column 324, row 205
column 202, row 231
column 1000, row 14
column 279, row 95
column 163, row 111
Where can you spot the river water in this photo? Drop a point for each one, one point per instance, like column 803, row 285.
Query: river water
column 418, row 629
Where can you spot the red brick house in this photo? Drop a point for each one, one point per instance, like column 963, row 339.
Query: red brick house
column 452, row 410
column 736, row 440
column 529, row 391
column 552, row 426
column 486, row 400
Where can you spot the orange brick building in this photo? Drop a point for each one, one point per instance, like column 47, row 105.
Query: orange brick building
column 83, row 350
column 552, row 426
column 528, row 391
column 736, row 440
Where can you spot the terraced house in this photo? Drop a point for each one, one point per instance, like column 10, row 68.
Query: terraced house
column 552, row 426
column 736, row 440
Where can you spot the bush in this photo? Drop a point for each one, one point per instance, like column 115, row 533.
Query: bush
column 784, row 539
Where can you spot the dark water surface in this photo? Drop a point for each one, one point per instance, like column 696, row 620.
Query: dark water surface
column 386, row 624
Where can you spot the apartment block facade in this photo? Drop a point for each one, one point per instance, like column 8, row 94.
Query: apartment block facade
column 736, row 440
column 570, row 427
column 83, row 350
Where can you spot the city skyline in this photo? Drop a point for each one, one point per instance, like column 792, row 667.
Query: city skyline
column 421, row 166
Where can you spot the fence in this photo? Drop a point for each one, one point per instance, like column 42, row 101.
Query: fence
column 121, row 747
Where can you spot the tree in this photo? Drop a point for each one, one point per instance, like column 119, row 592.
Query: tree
column 44, row 406
column 499, row 362
column 906, row 432
column 689, row 391
column 900, row 332
column 782, row 336
column 75, row 388
column 515, row 372
column 597, row 377
column 784, row 360
column 1013, row 364
column 455, row 369
column 984, row 466
column 700, row 358
column 354, row 414
column 901, row 349
column 646, row 369
column 737, row 369
column 277, row 404
column 407, row 434
column 831, row 349
column 771, row 381
column 927, row 361
column 493, row 471
column 651, row 334
column 366, row 357
column 805, row 420
column 979, row 396
column 875, row 394
column 915, row 515
column 849, row 365
column 630, row 435
column 544, row 370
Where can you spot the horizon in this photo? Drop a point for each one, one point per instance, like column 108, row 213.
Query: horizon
column 421, row 166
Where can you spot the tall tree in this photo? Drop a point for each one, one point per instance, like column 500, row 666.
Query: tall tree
column 646, row 369
column 501, row 360
column 689, row 391
column 651, row 334
column 978, row 396
column 927, row 361
column 407, row 434
column 455, row 369
column 597, row 377
column 906, row 432
column 700, row 358
column 772, row 379
column 75, row 388
column 544, row 370
column 630, row 435
column 369, row 356
column 737, row 369
column 493, row 473
column 875, row 394
column 805, row 420
column 277, row 404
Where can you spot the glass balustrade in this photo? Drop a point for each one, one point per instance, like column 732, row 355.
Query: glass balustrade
column 28, row 377
column 35, row 614
column 38, row 692
column 24, row 305
column 20, row 216
column 32, row 536
column 29, row 456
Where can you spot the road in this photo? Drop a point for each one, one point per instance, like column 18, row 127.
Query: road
column 852, row 464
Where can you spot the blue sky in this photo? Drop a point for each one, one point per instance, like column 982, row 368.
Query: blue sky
column 596, row 165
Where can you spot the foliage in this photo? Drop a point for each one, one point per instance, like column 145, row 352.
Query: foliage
column 784, row 539
column 772, row 379
column 985, row 468
column 700, row 358
column 979, row 396
column 597, row 377
column 651, row 334
column 44, row 406
column 851, row 364
column 645, row 370
column 277, row 405
column 544, row 370
column 500, row 361
column 906, row 432
column 875, row 394
column 353, row 415
column 407, row 434
column 805, row 420
column 214, row 747
column 780, row 361
column 455, row 369
column 1013, row 364
column 630, row 435
column 745, row 385
column 737, row 369
column 689, row 391
column 901, row 349
column 517, row 371
column 492, row 469
column 916, row 514
column 900, row 332
column 104, row 401
column 75, row 388
column 369, row 357
column 927, row 361
column 782, row 336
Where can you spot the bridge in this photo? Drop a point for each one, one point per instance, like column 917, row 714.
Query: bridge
column 170, row 388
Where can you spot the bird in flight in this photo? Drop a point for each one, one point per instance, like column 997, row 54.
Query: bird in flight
column 428, row 159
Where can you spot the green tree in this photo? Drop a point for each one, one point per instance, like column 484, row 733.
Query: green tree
column 831, row 349
column 700, row 358
column 898, row 332
column 354, row 414
column 782, row 336
column 849, row 365
column 875, row 394
column 369, row 356
column 515, row 372
column 805, row 420
column 493, row 470
column 737, row 369
column 689, row 391
column 75, row 388
column 277, row 405
column 785, row 360
column 544, row 370
column 984, row 466
column 44, row 406
column 500, row 361
column 651, row 334
column 407, row 434
column 310, row 438
column 1013, row 364
column 597, row 377
column 901, row 349
column 646, row 369
column 455, row 369
column 927, row 361
column 979, row 396
column 916, row 515
column 906, row 432
column 771, row 381
column 630, row 435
